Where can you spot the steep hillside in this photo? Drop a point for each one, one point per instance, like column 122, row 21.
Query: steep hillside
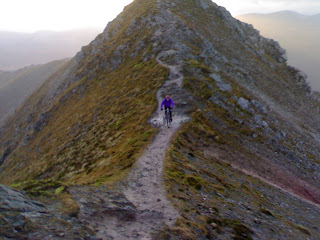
column 87, row 123
column 298, row 34
column 18, row 50
column 244, row 166
column 16, row 86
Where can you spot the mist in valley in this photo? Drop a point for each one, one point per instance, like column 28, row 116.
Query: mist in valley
column 28, row 59
column 18, row 50
column 16, row 86
column 298, row 34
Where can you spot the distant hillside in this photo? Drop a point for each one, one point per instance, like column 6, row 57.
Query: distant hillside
column 18, row 50
column 298, row 34
column 16, row 86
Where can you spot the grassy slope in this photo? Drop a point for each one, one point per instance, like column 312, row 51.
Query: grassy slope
column 98, row 134
column 218, row 202
column 98, row 125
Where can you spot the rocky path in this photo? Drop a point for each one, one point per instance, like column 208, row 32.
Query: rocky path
column 144, row 186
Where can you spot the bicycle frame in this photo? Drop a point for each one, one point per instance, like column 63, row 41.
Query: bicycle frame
column 167, row 117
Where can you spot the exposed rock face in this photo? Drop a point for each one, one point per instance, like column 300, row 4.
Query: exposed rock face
column 22, row 217
column 247, row 158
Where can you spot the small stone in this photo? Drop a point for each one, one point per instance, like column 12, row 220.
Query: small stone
column 214, row 225
column 243, row 103
column 219, row 195
column 216, row 77
column 257, row 221
column 224, row 87
column 265, row 124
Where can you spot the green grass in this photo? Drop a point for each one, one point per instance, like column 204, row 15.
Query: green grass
column 108, row 145
column 98, row 125
column 47, row 188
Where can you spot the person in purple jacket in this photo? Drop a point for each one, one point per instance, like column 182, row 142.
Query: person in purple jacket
column 168, row 103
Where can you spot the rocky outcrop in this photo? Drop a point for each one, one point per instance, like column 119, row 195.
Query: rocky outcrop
column 45, row 216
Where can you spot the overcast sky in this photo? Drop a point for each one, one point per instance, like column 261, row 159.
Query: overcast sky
column 35, row 15
column 237, row 7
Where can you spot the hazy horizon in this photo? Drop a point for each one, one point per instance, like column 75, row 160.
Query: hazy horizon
column 298, row 34
column 55, row 31
column 36, row 15
column 101, row 28
column 18, row 50
column 236, row 7
column 309, row 15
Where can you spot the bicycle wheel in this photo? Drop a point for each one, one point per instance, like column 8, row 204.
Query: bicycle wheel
column 168, row 118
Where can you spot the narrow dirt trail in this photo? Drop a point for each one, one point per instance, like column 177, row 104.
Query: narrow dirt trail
column 144, row 185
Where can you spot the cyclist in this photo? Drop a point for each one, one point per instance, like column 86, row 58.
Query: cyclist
column 168, row 103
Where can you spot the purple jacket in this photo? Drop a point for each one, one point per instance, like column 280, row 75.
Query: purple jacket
column 167, row 103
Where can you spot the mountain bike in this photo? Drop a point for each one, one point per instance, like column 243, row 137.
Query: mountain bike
column 167, row 116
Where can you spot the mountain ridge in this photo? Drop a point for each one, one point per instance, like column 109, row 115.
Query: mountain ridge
column 247, row 109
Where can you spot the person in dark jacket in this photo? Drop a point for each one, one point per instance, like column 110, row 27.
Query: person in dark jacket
column 168, row 103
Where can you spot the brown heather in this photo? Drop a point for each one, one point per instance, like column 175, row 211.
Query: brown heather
column 97, row 125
